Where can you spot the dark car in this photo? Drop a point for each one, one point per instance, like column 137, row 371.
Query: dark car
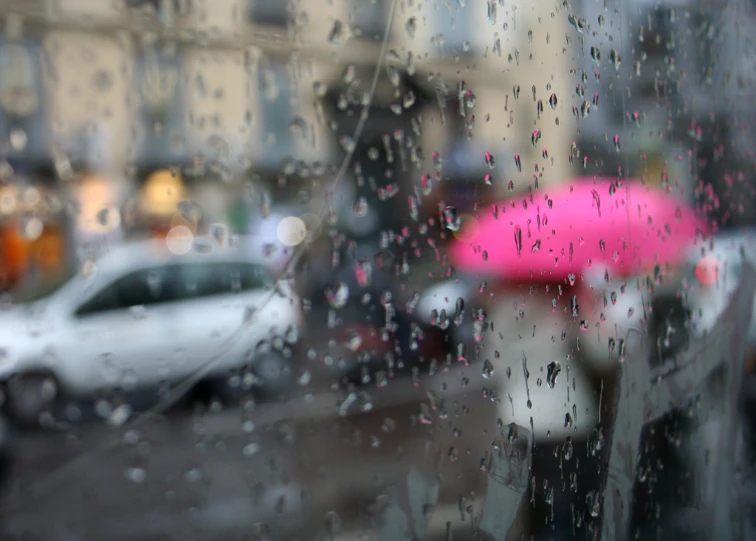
column 371, row 337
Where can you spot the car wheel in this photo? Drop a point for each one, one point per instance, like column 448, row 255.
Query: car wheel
column 230, row 389
column 269, row 374
column 274, row 373
column 28, row 397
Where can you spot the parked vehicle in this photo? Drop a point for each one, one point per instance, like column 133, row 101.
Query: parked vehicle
column 371, row 340
column 143, row 317
column 677, row 304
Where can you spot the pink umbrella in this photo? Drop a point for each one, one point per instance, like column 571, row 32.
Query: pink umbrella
column 624, row 227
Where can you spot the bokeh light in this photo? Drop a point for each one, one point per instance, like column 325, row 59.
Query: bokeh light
column 291, row 231
column 179, row 239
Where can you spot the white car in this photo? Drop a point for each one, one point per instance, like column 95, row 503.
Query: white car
column 676, row 309
column 145, row 317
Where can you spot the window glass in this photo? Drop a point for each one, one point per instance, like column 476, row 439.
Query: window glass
column 479, row 270
column 140, row 288
column 219, row 278
column 270, row 12
column 274, row 89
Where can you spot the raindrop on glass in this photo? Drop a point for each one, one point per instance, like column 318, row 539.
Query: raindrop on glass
column 337, row 295
column 411, row 27
column 336, row 35
column 452, row 220
column 552, row 371
column 361, row 207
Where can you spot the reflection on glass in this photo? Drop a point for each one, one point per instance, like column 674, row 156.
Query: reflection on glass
column 376, row 270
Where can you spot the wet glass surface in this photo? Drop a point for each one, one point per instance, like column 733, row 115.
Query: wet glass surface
column 376, row 269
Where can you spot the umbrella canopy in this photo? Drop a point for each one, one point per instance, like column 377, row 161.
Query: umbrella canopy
column 624, row 227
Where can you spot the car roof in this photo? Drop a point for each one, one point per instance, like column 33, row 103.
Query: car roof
column 727, row 243
column 155, row 252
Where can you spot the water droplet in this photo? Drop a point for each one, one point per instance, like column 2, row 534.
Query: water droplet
column 615, row 58
column 251, row 449
column 576, row 22
column 18, row 139
column 552, row 371
column 518, row 163
column 452, row 220
column 518, row 239
column 488, row 179
column 426, row 184
column 516, row 91
column 596, row 55
column 338, row 295
column 409, row 99
column 333, row 523
column 361, row 207
column 109, row 218
column 220, row 233
column 568, row 449
column 490, row 161
column 553, row 101
column 535, row 137
column 470, row 99
column 488, row 369
column 574, row 306
column 319, row 88
column 347, row 143
column 411, row 27
column 190, row 210
column 617, row 142
column 593, row 501
column 30, row 227
column 337, row 33
column 298, row 126
column 135, row 475
column 492, row 11
column 102, row 80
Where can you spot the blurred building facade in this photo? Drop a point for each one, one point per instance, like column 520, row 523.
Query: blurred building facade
column 128, row 108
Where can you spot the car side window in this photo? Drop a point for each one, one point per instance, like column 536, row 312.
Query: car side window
column 244, row 277
column 140, row 288
column 219, row 278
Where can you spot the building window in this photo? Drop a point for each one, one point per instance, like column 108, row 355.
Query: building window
column 162, row 104
column 453, row 30
column 23, row 120
column 269, row 12
column 368, row 18
column 275, row 96
column 18, row 89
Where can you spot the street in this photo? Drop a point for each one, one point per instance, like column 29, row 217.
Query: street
column 280, row 467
